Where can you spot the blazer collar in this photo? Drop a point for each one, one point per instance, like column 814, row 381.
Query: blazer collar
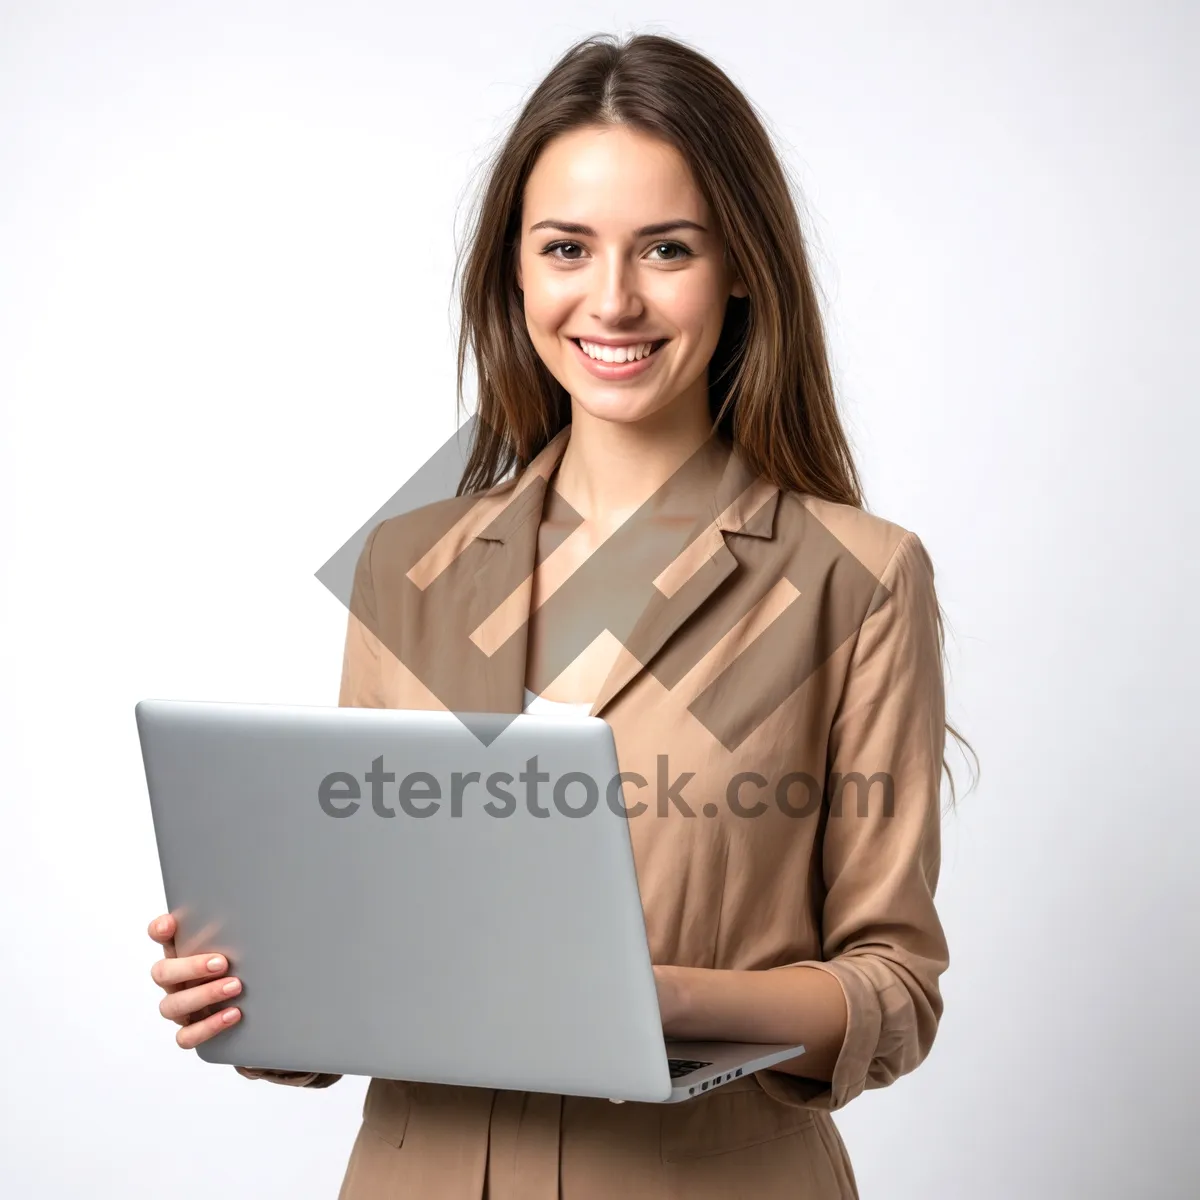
column 740, row 503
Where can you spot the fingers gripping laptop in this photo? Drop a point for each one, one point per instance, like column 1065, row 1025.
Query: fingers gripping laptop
column 381, row 881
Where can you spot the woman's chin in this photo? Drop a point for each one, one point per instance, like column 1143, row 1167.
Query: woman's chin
column 619, row 409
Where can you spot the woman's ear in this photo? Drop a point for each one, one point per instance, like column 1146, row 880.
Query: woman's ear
column 739, row 289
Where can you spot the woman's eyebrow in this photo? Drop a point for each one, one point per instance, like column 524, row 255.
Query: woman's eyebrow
column 645, row 231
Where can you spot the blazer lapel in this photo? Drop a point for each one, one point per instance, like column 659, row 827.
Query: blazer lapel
column 737, row 503
column 740, row 503
column 471, row 587
column 717, row 483
column 499, row 621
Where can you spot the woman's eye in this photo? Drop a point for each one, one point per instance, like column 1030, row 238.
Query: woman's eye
column 560, row 246
column 684, row 252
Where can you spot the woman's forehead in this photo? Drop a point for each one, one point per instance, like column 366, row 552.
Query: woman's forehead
column 610, row 180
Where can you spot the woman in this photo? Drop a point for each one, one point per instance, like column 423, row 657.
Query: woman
column 759, row 634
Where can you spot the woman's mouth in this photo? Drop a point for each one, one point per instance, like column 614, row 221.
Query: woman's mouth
column 618, row 370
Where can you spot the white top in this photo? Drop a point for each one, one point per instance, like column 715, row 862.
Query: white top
column 542, row 707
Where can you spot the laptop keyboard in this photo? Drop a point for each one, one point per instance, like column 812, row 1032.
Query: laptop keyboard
column 684, row 1066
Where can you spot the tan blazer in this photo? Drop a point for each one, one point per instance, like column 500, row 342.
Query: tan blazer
column 794, row 638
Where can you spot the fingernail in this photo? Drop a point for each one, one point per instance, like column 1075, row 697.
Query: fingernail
column 161, row 925
column 230, row 1014
column 215, row 964
column 231, row 987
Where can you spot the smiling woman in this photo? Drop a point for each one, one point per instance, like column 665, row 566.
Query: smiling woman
column 637, row 298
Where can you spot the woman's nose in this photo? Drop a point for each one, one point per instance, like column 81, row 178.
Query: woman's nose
column 616, row 293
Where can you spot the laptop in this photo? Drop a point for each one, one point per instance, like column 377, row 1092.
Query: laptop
column 419, row 895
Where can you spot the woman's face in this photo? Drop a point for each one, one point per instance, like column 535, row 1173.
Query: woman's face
column 618, row 247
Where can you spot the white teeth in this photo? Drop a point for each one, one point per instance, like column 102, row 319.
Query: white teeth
column 616, row 354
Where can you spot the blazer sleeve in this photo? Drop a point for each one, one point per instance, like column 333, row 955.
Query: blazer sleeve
column 882, row 939
column 360, row 688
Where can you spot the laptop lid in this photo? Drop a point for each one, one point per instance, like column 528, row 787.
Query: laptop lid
column 404, row 899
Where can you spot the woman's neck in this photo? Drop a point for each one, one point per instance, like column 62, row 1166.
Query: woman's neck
column 610, row 468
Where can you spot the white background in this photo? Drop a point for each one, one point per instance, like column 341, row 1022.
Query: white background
column 227, row 236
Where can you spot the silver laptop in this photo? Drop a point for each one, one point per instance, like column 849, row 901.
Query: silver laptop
column 402, row 897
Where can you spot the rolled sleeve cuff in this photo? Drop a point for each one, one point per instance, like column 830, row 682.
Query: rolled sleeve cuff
column 864, row 1025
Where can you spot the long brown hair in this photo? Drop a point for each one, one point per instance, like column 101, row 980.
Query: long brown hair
column 770, row 386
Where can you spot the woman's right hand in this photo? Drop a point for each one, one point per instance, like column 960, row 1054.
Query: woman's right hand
column 197, row 988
